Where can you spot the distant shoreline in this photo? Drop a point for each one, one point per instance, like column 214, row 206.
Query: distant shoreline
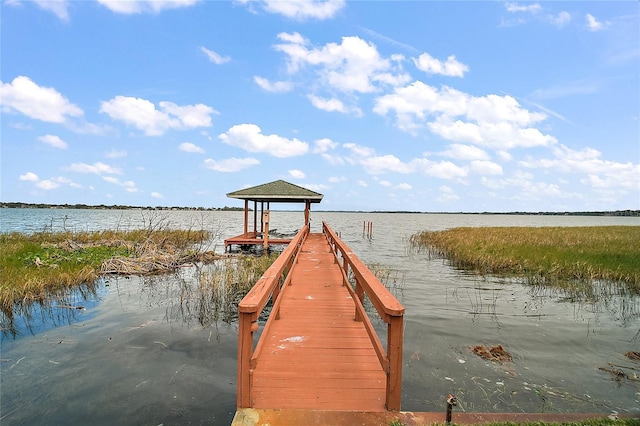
column 19, row 205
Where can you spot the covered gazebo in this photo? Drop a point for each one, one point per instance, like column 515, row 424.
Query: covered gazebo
column 278, row 191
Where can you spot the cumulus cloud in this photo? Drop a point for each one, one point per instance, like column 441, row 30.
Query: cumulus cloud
column 98, row 168
column 324, row 145
column 517, row 8
column 41, row 103
column 594, row 25
column 333, row 104
column 128, row 185
column 190, row 147
column 60, row 8
column 561, row 19
column 157, row 195
column 143, row 114
column 129, row 7
column 297, row 174
column 214, row 57
column 273, row 87
column 249, row 137
column 29, row 177
column 47, row 184
column 587, row 161
column 353, row 66
column 483, row 167
column 493, row 121
column 114, row 153
column 451, row 68
column 53, row 141
column 465, row 152
column 299, row 9
column 230, row 164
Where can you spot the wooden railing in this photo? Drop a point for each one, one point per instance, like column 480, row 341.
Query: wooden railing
column 250, row 307
column 390, row 310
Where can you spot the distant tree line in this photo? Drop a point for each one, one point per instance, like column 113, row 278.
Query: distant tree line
column 18, row 205
column 112, row 207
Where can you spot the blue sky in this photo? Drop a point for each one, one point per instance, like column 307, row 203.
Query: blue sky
column 378, row 105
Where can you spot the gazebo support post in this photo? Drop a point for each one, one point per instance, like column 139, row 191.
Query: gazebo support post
column 307, row 207
column 246, row 217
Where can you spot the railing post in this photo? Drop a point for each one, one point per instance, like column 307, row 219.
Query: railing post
column 245, row 351
column 394, row 353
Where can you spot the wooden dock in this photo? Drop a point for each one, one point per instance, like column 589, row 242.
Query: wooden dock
column 318, row 349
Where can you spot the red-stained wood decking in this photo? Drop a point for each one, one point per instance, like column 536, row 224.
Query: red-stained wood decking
column 316, row 356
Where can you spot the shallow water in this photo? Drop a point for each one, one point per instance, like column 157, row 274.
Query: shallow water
column 136, row 356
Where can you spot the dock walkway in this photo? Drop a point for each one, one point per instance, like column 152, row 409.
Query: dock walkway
column 316, row 355
column 318, row 349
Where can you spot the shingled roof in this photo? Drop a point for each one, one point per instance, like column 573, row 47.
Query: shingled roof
column 278, row 191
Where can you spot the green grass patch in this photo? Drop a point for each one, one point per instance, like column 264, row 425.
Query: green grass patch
column 35, row 267
column 546, row 255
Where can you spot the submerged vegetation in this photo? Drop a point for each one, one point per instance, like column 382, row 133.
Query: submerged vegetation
column 35, row 267
column 546, row 255
column 219, row 287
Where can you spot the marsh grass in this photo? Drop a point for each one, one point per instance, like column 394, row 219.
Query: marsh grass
column 562, row 256
column 220, row 286
column 36, row 267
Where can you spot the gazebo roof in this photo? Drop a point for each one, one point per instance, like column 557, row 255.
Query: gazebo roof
column 278, row 191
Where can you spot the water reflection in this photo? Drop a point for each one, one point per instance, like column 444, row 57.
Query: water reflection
column 63, row 308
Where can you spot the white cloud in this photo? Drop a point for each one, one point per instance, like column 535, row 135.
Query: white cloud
column 96, row 168
column 249, row 137
column 404, row 186
column 37, row 102
column 359, row 150
column 47, row 185
column 333, row 104
column 561, row 19
column 129, row 7
column 230, row 164
column 157, row 195
column 385, row 183
column 439, row 169
column 300, row 9
column 214, row 57
column 53, row 141
column 447, row 194
column 324, row 145
column 588, row 162
column 190, row 147
column 483, row 167
column 363, row 183
column 60, row 8
column 451, row 68
column 316, row 187
column 594, row 25
column 530, row 8
column 143, row 115
column 526, row 188
column 114, row 153
column 465, row 152
column 29, row 177
column 128, row 185
column 354, row 65
column 497, row 122
column 297, row 174
column 273, row 87
column 337, row 179
column 385, row 164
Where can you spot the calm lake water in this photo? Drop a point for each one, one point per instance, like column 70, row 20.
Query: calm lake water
column 135, row 355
